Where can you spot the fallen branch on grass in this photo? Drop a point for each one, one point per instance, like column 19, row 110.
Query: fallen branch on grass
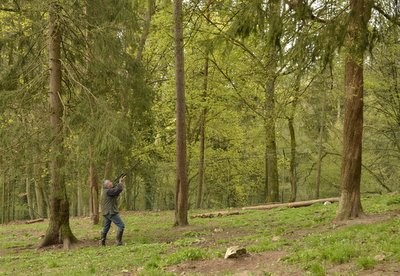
column 34, row 221
column 216, row 214
column 292, row 204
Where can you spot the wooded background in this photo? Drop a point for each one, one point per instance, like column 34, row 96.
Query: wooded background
column 265, row 101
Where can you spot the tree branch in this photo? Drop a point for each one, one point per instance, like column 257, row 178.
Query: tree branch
column 10, row 9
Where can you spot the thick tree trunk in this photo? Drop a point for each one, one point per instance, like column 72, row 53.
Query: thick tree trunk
column 58, row 230
column 181, row 194
column 356, row 42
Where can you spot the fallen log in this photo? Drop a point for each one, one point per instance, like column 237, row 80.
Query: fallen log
column 291, row 204
column 216, row 214
column 34, row 221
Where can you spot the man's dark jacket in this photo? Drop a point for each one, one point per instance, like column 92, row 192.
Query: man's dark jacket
column 110, row 197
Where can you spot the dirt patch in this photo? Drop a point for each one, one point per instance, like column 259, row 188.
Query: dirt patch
column 367, row 219
column 250, row 264
column 384, row 268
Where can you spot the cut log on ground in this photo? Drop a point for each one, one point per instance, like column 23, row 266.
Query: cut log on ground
column 292, row 204
column 216, row 214
column 34, row 221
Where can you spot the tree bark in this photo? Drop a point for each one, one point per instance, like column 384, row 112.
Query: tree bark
column 151, row 6
column 271, row 160
column 181, row 194
column 40, row 201
column 356, row 42
column 79, row 200
column 59, row 230
column 29, row 197
column 293, row 162
column 148, row 191
column 202, row 134
column 94, row 193
column 320, row 147
column 3, row 197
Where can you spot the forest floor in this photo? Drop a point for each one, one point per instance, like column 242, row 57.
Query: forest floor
column 273, row 262
column 283, row 241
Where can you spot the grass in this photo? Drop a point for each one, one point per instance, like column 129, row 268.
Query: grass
column 152, row 244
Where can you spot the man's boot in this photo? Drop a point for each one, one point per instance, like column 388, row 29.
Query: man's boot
column 103, row 239
column 119, row 236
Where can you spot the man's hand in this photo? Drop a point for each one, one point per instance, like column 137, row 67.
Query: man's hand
column 122, row 179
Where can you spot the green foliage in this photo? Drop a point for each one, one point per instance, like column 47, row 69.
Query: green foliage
column 190, row 254
column 317, row 269
column 366, row 262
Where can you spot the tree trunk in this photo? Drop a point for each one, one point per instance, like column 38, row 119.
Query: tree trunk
column 94, row 194
column 3, row 197
column 79, row 200
column 181, row 194
column 108, row 167
column 271, row 174
column 29, row 198
column 151, row 6
column 272, row 186
column 320, row 148
column 148, row 191
column 293, row 162
column 40, row 201
column 59, row 230
column 135, row 186
column 12, row 207
column 128, row 194
column 355, row 45
column 202, row 135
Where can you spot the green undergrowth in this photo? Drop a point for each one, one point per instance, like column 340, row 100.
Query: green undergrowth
column 152, row 244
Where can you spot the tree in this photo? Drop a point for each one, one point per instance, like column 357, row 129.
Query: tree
column 181, row 194
column 355, row 44
column 59, row 229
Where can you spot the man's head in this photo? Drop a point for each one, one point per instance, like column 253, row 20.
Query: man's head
column 107, row 184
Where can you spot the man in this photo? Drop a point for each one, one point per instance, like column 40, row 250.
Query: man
column 110, row 210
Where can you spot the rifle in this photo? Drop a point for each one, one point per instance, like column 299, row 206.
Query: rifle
column 119, row 177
